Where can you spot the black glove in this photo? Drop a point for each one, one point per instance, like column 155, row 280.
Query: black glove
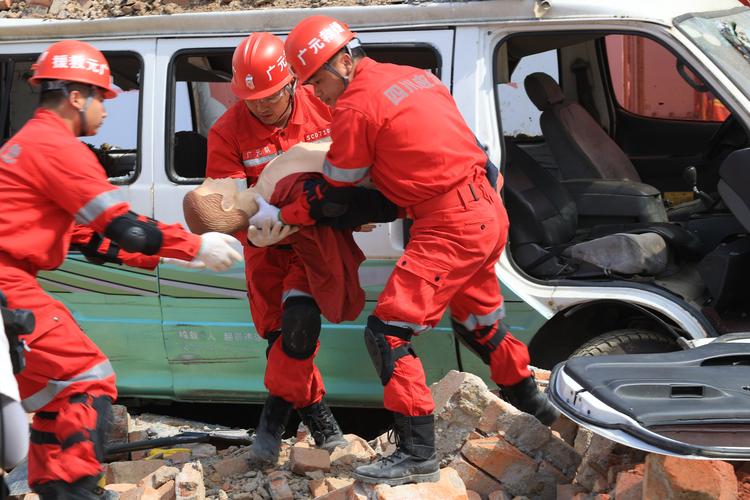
column 347, row 207
column 326, row 200
column 365, row 206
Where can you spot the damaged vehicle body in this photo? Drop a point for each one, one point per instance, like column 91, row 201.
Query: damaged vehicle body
column 692, row 402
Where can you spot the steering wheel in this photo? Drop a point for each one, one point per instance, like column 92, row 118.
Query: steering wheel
column 714, row 143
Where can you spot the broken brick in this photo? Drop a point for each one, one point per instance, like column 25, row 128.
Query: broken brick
column 308, row 459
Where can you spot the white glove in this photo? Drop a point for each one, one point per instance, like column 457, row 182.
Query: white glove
column 265, row 212
column 216, row 251
column 269, row 234
column 187, row 264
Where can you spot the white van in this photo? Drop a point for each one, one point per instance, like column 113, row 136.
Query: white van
column 595, row 112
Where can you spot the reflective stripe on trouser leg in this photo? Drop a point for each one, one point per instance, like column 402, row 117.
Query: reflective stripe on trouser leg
column 69, row 444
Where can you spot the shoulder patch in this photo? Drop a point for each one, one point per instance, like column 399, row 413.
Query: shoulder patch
column 10, row 153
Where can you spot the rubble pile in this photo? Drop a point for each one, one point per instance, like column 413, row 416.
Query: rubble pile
column 95, row 9
column 487, row 449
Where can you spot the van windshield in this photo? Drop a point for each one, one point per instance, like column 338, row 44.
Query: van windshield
column 725, row 38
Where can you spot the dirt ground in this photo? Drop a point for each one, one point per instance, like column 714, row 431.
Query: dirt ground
column 96, row 9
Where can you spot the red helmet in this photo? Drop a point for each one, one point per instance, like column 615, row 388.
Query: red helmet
column 313, row 42
column 259, row 67
column 74, row 61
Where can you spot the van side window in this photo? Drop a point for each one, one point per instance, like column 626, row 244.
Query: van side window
column 646, row 82
column 116, row 143
column 201, row 93
column 519, row 116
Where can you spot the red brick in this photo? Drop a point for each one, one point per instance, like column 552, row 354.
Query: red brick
column 231, row 467
column 449, row 487
column 501, row 460
column 5, row 4
column 474, row 478
column 131, row 471
column 309, row 459
column 629, row 486
column 126, row 491
column 671, row 477
column 339, row 494
column 317, row 487
column 159, row 477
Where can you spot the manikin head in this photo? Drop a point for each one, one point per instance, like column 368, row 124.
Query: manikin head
column 218, row 205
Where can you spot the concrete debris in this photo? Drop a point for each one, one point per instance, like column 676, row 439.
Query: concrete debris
column 488, row 451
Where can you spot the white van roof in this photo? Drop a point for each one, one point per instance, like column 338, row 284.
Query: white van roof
column 429, row 14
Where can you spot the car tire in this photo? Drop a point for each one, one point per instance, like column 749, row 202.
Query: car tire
column 627, row 341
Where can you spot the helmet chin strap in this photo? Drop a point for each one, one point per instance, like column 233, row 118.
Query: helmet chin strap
column 353, row 44
column 82, row 114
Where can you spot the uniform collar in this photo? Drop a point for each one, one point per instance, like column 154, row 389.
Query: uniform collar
column 51, row 116
column 363, row 65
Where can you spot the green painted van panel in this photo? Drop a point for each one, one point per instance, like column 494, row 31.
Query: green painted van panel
column 188, row 335
column 119, row 308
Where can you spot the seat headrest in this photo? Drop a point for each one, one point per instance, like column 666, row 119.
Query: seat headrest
column 543, row 90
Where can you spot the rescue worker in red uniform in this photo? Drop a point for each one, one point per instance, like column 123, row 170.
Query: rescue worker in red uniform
column 273, row 115
column 399, row 128
column 48, row 180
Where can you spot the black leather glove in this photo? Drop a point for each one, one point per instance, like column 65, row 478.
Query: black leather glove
column 347, row 207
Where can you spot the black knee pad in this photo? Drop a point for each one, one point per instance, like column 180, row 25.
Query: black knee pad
column 469, row 338
column 300, row 327
column 383, row 356
column 271, row 337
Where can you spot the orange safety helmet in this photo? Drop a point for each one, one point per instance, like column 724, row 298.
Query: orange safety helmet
column 74, row 61
column 259, row 67
column 313, row 42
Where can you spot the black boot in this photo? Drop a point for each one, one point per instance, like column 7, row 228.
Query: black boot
column 527, row 397
column 271, row 427
column 414, row 460
column 323, row 426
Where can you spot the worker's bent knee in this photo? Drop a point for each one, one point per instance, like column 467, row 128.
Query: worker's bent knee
column 300, row 327
column 384, row 356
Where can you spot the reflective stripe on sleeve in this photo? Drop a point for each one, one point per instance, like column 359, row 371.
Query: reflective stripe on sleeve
column 254, row 162
column 347, row 175
column 98, row 205
column 42, row 398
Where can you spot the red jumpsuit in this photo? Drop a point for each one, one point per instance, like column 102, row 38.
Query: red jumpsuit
column 399, row 127
column 240, row 146
column 48, row 180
